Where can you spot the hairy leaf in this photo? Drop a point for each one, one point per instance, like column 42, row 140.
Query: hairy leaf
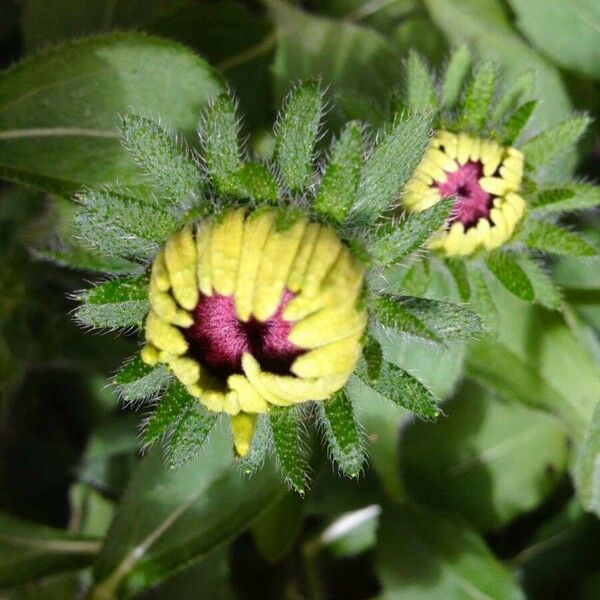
column 115, row 304
column 138, row 381
column 460, row 275
column 510, row 275
column 455, row 75
column 548, row 237
column 401, row 388
column 555, row 140
column 338, row 188
column 189, row 434
column 286, row 429
column 574, row 196
column 481, row 297
column 373, row 357
column 516, row 122
column 420, row 91
column 389, row 167
column 476, row 104
column 342, row 433
column 401, row 238
column 545, row 290
column 255, row 182
column 118, row 224
column 296, row 134
column 171, row 407
column 514, row 95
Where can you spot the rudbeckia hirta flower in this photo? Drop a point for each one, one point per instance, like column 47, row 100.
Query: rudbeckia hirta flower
column 483, row 177
column 248, row 315
column 251, row 286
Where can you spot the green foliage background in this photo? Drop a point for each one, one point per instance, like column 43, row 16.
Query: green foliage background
column 498, row 499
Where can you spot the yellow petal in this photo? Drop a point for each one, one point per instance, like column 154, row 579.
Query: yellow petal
column 511, row 177
column 225, row 250
column 335, row 358
column 249, row 399
column 454, row 239
column 469, row 242
column 442, row 160
column 254, row 374
column 257, row 228
column 277, row 258
column 149, row 355
column 326, row 250
column 517, row 202
column 493, row 162
column 186, row 369
column 421, row 176
column 429, row 167
column 231, row 405
column 301, row 306
column 475, row 153
column 495, row 185
column 298, row 269
column 159, row 276
column 242, row 430
column 344, row 281
column 203, row 235
column 327, row 325
column 463, row 150
column 297, row 390
column 165, row 307
column 515, row 154
column 180, row 258
column 449, row 141
column 164, row 336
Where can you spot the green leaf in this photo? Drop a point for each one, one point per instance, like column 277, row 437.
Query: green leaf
column 373, row 357
column 401, row 388
column 117, row 224
column 423, row 555
column 516, row 122
column 417, row 279
column 59, row 110
column 171, row 407
column 555, row 140
column 548, row 237
column 401, row 238
column 277, row 528
column 256, row 183
column 119, row 303
column 499, row 459
column 389, row 167
column 347, row 56
column 420, row 91
column 30, row 551
column 475, row 106
column 219, row 134
column 455, row 75
column 286, row 428
column 344, row 440
column 296, row 134
column 189, row 434
column 545, row 290
column 587, row 466
column 575, row 196
column 167, row 164
column 430, row 319
column 567, row 32
column 339, row 185
column 508, row 272
column 515, row 94
column 481, row 297
column 460, row 275
column 167, row 519
column 138, row 381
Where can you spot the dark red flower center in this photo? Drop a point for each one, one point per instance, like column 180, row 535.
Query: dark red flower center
column 217, row 339
column 472, row 202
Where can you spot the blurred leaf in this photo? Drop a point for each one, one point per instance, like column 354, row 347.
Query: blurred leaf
column 508, row 272
column 554, row 141
column 138, row 381
column 571, row 197
column 351, row 57
column 424, row 555
column 587, row 466
column 516, row 122
column 119, row 303
column 548, row 237
column 545, row 291
column 498, row 461
column 459, row 273
column 479, row 93
column 167, row 519
column 277, row 528
column 420, row 91
column 29, row 551
column 455, row 74
column 383, row 177
column 59, row 110
column 537, row 361
column 567, row 32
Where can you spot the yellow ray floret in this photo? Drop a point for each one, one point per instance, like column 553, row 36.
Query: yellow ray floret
column 501, row 175
column 249, row 258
